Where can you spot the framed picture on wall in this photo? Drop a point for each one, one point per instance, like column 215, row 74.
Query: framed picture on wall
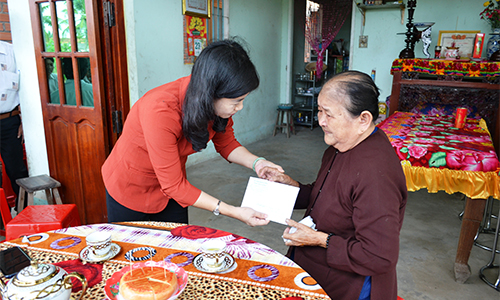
column 463, row 39
column 196, row 8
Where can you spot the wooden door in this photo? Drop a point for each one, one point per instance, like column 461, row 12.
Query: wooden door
column 69, row 36
column 114, row 64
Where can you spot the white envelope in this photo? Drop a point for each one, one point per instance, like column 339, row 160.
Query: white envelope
column 274, row 199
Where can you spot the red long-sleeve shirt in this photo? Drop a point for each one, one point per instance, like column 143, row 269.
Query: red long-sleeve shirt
column 147, row 164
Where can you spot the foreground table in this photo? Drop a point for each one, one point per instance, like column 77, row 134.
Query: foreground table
column 260, row 273
column 437, row 156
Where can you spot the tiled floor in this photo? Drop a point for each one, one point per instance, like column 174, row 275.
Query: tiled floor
column 428, row 238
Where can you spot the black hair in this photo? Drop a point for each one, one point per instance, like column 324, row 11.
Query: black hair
column 223, row 70
column 361, row 90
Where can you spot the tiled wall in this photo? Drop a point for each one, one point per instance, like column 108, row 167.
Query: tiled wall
column 4, row 22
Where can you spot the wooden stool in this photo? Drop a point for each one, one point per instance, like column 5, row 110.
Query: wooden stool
column 282, row 113
column 37, row 183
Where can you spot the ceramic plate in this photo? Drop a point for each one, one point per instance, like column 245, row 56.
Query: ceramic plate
column 111, row 289
column 86, row 254
column 226, row 264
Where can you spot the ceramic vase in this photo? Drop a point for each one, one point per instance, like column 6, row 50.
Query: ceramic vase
column 493, row 42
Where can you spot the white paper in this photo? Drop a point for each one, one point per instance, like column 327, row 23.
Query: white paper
column 308, row 221
column 274, row 199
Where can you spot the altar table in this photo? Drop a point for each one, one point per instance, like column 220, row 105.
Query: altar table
column 437, row 156
column 449, row 82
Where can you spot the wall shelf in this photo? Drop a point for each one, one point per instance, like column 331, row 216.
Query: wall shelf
column 305, row 102
column 363, row 8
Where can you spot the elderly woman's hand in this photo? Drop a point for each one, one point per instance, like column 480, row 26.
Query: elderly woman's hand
column 275, row 175
column 304, row 236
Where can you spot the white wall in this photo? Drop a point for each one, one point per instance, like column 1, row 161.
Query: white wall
column 286, row 82
column 261, row 29
column 154, row 44
column 29, row 92
column 384, row 44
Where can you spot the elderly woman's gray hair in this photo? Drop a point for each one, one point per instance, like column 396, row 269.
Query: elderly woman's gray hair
column 359, row 89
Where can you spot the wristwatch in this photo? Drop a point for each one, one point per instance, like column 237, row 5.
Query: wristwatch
column 216, row 210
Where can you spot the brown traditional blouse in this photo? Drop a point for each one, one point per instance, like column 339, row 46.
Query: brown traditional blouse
column 360, row 196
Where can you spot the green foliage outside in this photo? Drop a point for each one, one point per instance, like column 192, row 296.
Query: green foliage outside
column 63, row 26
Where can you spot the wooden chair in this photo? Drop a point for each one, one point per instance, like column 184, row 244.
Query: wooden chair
column 37, row 183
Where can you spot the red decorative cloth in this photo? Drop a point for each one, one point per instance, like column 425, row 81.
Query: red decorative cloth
column 92, row 272
column 447, row 67
column 433, row 142
column 437, row 156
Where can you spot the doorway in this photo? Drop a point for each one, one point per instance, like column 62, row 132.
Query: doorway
column 342, row 39
column 81, row 63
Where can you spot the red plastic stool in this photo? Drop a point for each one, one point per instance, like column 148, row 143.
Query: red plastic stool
column 41, row 218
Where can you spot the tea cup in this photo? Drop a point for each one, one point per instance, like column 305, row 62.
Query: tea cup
column 99, row 243
column 213, row 252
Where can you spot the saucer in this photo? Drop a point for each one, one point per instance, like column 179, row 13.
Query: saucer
column 226, row 264
column 86, row 254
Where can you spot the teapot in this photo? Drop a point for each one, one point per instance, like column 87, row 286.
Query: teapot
column 42, row 282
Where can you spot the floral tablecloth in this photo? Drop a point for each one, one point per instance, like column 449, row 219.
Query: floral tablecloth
column 447, row 67
column 437, row 156
column 259, row 272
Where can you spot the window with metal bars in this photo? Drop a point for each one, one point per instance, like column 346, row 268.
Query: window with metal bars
column 218, row 22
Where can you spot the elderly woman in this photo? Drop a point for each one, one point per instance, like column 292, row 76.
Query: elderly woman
column 357, row 201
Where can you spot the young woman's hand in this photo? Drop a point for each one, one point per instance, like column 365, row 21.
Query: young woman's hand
column 275, row 175
column 251, row 217
column 261, row 164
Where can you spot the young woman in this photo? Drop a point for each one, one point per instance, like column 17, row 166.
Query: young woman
column 145, row 174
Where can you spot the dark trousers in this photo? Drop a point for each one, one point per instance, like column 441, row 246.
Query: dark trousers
column 172, row 213
column 11, row 149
